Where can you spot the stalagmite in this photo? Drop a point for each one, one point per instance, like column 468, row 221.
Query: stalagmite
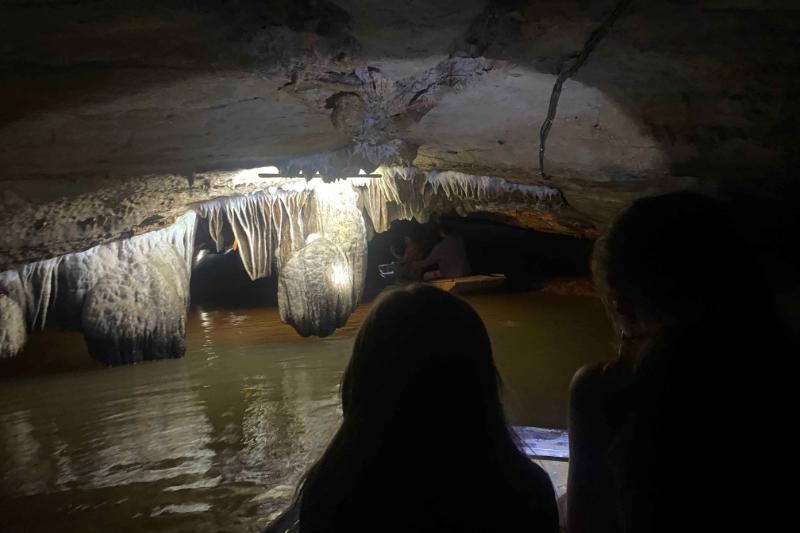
column 315, row 288
column 12, row 327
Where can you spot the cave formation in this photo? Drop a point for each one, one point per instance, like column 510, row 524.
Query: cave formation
column 116, row 144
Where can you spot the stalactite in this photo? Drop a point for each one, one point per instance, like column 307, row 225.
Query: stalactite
column 406, row 193
column 139, row 313
column 127, row 296
column 12, row 327
column 271, row 229
column 376, row 196
column 215, row 224
column 40, row 282
column 315, row 293
column 263, row 223
column 80, row 272
column 487, row 190
column 339, row 220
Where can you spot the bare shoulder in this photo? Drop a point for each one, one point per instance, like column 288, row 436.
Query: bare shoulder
column 589, row 384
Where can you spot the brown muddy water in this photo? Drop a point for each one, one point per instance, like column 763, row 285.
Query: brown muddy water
column 215, row 441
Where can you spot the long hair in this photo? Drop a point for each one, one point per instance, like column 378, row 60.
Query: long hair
column 423, row 428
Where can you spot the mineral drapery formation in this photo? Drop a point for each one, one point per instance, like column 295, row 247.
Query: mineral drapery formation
column 129, row 297
column 322, row 282
column 138, row 312
column 313, row 234
column 315, row 288
column 268, row 227
column 12, row 327
column 310, row 233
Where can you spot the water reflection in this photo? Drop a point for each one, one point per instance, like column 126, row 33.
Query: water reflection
column 217, row 440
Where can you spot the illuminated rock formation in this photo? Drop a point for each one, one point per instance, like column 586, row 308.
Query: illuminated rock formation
column 129, row 296
column 12, row 327
column 339, row 220
column 315, row 288
column 267, row 226
column 105, row 140
column 407, row 192
column 11, row 285
column 271, row 229
column 138, row 312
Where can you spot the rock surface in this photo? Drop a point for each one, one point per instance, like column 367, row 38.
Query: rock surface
column 118, row 117
column 315, row 288
column 12, row 327
column 138, row 312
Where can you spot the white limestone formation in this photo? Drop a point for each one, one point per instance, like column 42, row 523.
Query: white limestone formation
column 268, row 227
column 339, row 220
column 407, row 193
column 129, row 296
column 315, row 288
column 271, row 226
column 138, row 313
column 12, row 327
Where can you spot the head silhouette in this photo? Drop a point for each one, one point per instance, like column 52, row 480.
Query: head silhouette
column 673, row 261
column 421, row 356
column 676, row 271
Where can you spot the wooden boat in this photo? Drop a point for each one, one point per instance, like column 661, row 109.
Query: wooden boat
column 478, row 282
column 541, row 443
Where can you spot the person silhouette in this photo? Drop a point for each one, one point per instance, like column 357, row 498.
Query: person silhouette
column 424, row 445
column 646, row 428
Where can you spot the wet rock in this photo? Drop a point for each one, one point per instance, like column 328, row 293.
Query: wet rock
column 315, row 288
column 11, row 285
column 138, row 313
column 12, row 327
column 340, row 221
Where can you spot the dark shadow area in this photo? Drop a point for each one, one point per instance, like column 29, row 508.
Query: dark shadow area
column 526, row 257
column 220, row 281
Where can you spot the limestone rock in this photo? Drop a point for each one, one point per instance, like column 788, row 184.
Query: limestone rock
column 340, row 221
column 138, row 313
column 11, row 285
column 315, row 288
column 12, row 327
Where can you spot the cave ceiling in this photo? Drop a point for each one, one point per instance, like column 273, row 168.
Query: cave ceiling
column 123, row 114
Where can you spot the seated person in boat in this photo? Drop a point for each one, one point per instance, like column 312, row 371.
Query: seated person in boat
column 449, row 255
column 411, row 252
